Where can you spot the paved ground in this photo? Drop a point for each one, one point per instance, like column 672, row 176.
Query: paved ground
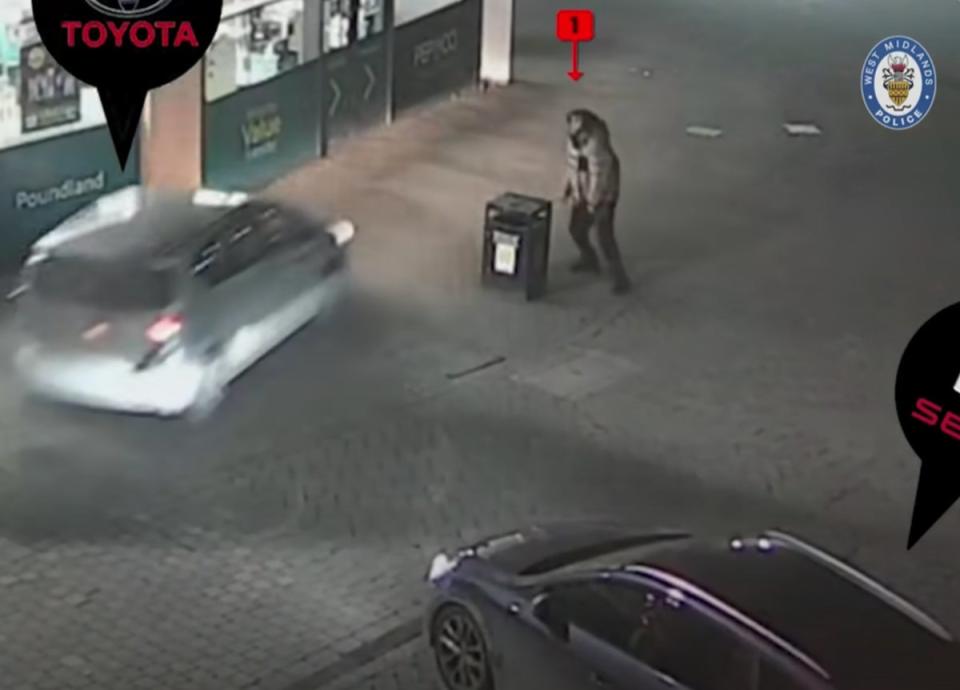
column 747, row 382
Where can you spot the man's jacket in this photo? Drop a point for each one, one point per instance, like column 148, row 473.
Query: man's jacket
column 593, row 168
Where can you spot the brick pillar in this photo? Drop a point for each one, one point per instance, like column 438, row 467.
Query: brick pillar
column 172, row 134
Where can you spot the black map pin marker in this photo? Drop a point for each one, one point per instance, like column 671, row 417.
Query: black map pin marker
column 122, row 109
column 928, row 408
column 125, row 48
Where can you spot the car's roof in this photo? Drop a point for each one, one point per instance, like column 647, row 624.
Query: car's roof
column 864, row 636
column 136, row 222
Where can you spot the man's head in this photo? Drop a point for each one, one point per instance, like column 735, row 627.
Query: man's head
column 583, row 124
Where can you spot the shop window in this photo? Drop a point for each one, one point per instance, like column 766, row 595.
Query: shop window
column 348, row 21
column 410, row 10
column 38, row 98
column 253, row 46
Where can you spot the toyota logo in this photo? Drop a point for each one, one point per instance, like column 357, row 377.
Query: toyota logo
column 128, row 9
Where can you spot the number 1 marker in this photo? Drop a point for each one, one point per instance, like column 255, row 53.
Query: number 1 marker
column 574, row 27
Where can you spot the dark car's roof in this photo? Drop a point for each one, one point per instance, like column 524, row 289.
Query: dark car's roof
column 136, row 223
column 863, row 641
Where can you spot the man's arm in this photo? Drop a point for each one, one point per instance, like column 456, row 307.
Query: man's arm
column 599, row 165
column 571, row 186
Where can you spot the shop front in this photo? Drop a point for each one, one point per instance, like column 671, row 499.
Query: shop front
column 356, row 57
column 286, row 79
column 262, row 93
column 436, row 50
column 55, row 151
column 282, row 80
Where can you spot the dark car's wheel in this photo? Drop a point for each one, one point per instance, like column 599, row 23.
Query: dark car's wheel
column 460, row 650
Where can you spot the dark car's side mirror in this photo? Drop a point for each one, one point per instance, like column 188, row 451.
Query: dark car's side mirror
column 549, row 612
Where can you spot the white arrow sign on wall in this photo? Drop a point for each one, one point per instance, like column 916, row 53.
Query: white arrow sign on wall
column 336, row 97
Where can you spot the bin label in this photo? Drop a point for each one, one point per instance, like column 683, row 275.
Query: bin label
column 505, row 258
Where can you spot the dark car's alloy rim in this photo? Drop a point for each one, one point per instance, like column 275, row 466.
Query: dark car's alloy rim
column 460, row 651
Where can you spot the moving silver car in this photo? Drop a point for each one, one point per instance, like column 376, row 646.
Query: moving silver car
column 153, row 302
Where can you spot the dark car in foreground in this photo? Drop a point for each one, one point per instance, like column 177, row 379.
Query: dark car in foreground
column 153, row 301
column 581, row 606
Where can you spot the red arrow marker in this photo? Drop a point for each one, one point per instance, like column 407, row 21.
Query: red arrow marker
column 574, row 27
column 575, row 73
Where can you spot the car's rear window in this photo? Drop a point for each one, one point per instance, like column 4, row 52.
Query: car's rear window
column 104, row 284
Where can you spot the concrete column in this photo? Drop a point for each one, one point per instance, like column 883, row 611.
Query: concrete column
column 172, row 134
column 496, row 45
column 313, row 50
column 312, row 29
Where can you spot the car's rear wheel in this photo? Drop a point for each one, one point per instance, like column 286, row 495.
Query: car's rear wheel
column 460, row 650
column 212, row 388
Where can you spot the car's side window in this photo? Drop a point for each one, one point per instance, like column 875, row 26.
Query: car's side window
column 607, row 610
column 658, row 628
column 246, row 246
column 274, row 225
column 208, row 262
column 672, row 632
column 244, row 239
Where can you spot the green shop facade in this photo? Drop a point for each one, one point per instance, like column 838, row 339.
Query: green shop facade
column 284, row 82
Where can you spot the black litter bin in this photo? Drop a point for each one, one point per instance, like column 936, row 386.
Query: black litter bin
column 516, row 243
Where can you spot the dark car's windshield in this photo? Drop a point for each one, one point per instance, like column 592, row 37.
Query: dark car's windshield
column 109, row 285
column 583, row 553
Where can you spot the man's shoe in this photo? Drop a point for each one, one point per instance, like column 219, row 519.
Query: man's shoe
column 585, row 266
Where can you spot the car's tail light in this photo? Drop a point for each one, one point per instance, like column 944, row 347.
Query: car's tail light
column 165, row 329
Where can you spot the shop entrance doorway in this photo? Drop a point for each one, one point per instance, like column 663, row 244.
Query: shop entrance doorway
column 356, row 53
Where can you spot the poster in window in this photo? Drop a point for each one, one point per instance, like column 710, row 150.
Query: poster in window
column 49, row 95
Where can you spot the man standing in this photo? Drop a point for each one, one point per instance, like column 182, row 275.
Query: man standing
column 592, row 186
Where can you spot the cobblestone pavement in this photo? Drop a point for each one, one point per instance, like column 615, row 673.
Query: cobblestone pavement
column 408, row 666
column 748, row 382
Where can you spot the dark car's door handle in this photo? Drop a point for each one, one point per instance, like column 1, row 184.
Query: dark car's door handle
column 599, row 680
